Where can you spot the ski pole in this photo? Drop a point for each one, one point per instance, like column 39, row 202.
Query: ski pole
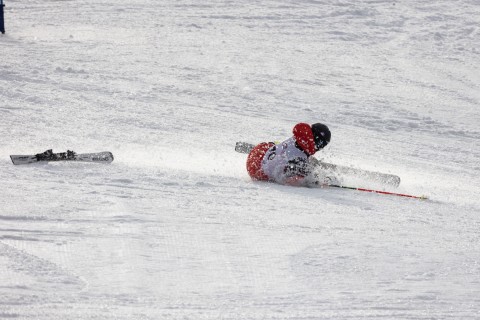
column 2, row 24
column 378, row 191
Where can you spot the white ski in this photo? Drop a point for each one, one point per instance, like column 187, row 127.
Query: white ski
column 386, row 178
column 105, row 157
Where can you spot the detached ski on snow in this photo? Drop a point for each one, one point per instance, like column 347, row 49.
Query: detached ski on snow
column 389, row 179
column 105, row 157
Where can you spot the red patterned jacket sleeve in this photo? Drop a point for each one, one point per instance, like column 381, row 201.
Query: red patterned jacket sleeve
column 303, row 135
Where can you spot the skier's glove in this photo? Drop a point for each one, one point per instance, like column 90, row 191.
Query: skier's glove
column 297, row 167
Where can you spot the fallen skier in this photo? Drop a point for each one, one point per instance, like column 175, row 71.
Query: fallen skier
column 290, row 162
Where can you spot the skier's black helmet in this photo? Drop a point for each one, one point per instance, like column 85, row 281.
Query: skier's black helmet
column 321, row 135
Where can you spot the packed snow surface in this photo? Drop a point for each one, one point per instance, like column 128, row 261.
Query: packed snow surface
column 174, row 228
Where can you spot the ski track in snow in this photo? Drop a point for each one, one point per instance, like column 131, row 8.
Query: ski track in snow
column 174, row 228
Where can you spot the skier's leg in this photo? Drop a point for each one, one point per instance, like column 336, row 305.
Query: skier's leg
column 254, row 161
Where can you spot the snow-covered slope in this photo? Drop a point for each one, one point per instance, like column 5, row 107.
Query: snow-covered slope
column 174, row 228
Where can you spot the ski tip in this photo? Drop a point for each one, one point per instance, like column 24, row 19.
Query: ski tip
column 243, row 147
column 104, row 156
column 22, row 159
column 110, row 155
